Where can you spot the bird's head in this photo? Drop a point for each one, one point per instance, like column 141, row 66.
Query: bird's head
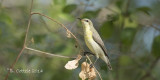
column 86, row 22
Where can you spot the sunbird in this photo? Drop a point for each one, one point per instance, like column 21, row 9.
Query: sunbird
column 94, row 41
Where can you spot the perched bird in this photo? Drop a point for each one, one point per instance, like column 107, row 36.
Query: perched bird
column 94, row 41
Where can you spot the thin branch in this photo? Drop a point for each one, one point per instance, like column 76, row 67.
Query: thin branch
column 29, row 23
column 14, row 63
column 94, row 68
column 48, row 54
column 17, row 58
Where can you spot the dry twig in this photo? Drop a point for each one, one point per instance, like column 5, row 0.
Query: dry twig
column 48, row 54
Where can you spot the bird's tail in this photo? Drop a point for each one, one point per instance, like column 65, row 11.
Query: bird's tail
column 106, row 60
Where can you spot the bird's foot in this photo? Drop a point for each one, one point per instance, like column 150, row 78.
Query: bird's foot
column 91, row 66
column 85, row 53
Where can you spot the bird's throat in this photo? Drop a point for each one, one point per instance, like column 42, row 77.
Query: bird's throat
column 87, row 32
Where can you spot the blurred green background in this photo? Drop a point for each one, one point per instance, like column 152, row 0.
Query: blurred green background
column 130, row 30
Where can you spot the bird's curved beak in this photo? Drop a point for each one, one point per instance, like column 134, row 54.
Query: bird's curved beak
column 79, row 19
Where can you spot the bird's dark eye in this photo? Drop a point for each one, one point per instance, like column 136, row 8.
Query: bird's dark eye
column 86, row 20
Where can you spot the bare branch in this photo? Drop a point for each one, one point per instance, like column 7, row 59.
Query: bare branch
column 94, row 67
column 48, row 54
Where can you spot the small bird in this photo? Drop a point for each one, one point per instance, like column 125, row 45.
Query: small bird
column 94, row 41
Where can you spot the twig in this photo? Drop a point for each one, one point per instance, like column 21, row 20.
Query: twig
column 17, row 58
column 14, row 63
column 48, row 54
column 94, row 68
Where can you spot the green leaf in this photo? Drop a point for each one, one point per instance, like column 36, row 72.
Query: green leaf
column 156, row 47
column 107, row 29
column 144, row 9
column 69, row 8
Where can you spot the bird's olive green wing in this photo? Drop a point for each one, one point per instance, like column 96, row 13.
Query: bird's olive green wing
column 98, row 40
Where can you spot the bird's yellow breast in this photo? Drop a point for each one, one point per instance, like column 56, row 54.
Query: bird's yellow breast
column 88, row 38
column 88, row 33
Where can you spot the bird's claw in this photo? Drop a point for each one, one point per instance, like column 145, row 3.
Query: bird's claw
column 91, row 66
column 85, row 53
